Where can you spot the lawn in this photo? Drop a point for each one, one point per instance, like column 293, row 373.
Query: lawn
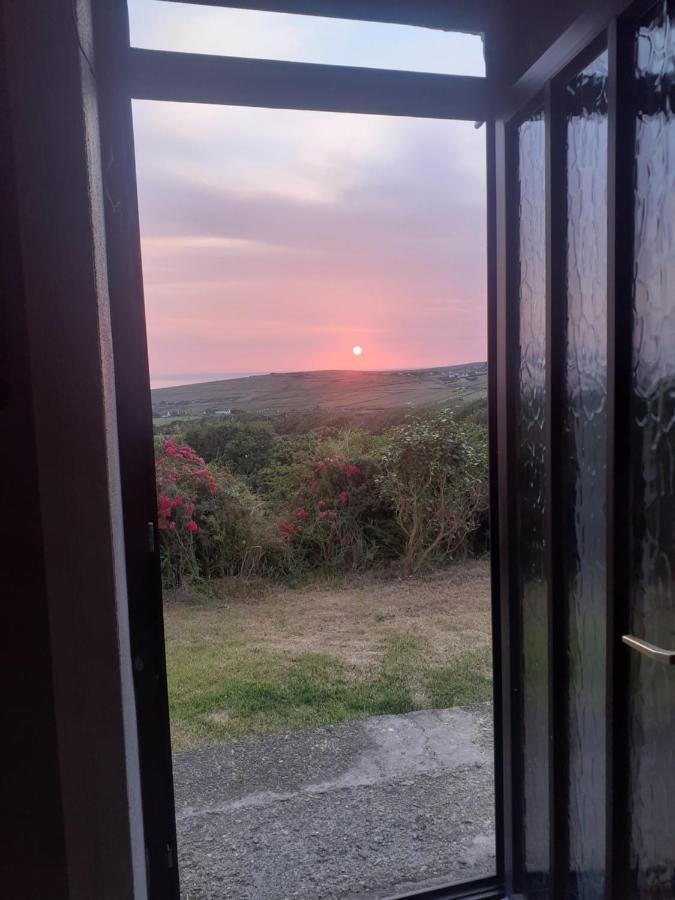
column 253, row 657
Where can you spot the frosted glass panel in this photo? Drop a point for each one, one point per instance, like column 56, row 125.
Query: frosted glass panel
column 585, row 453
column 531, row 376
column 652, row 686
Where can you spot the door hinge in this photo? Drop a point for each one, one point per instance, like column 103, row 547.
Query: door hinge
column 151, row 537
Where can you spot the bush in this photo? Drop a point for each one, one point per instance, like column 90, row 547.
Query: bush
column 434, row 473
column 295, row 455
column 245, row 448
column 329, row 499
column 210, row 524
column 339, row 520
column 474, row 412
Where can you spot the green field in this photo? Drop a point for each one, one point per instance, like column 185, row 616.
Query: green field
column 358, row 394
column 254, row 658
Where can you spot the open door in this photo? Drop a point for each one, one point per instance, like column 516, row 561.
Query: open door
column 180, row 76
column 585, row 264
column 581, row 200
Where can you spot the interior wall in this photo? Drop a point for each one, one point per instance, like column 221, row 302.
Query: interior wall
column 530, row 26
column 71, row 792
column 32, row 846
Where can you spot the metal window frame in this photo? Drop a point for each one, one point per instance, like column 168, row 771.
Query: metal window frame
column 480, row 889
column 240, row 81
column 135, row 441
column 503, row 413
column 618, row 469
column 620, row 346
column 237, row 81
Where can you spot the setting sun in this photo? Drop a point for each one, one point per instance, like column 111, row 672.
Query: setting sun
column 357, row 351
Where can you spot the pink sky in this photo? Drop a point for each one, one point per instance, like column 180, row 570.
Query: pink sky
column 276, row 240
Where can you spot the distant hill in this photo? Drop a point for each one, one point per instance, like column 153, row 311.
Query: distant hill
column 278, row 394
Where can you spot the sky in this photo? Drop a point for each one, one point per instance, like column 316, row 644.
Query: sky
column 277, row 240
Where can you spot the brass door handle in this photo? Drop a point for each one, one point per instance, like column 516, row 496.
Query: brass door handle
column 667, row 657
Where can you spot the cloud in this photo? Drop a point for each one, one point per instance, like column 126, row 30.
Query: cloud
column 310, row 157
column 264, row 35
column 187, row 242
column 277, row 239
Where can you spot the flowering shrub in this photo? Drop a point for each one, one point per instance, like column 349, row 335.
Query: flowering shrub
column 338, row 521
column 328, row 499
column 210, row 524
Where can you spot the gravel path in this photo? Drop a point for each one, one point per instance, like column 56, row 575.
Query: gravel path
column 365, row 809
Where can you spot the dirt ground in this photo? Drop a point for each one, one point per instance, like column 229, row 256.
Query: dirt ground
column 348, row 618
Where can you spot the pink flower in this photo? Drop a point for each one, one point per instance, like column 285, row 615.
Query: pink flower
column 353, row 470
column 342, row 496
column 322, row 504
column 288, row 528
column 192, row 526
column 301, row 513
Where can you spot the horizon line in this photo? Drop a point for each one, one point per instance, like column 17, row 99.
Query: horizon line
column 212, row 377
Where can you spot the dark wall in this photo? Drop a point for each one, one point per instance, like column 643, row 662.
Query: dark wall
column 60, row 440
column 32, row 847
column 530, row 26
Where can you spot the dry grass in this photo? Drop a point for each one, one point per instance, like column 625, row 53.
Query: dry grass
column 348, row 618
column 254, row 656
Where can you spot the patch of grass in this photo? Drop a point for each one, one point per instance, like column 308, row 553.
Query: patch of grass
column 222, row 688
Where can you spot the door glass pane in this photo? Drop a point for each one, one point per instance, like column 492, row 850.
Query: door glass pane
column 652, row 685
column 585, row 437
column 532, row 322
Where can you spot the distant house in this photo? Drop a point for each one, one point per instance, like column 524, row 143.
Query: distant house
column 223, row 412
